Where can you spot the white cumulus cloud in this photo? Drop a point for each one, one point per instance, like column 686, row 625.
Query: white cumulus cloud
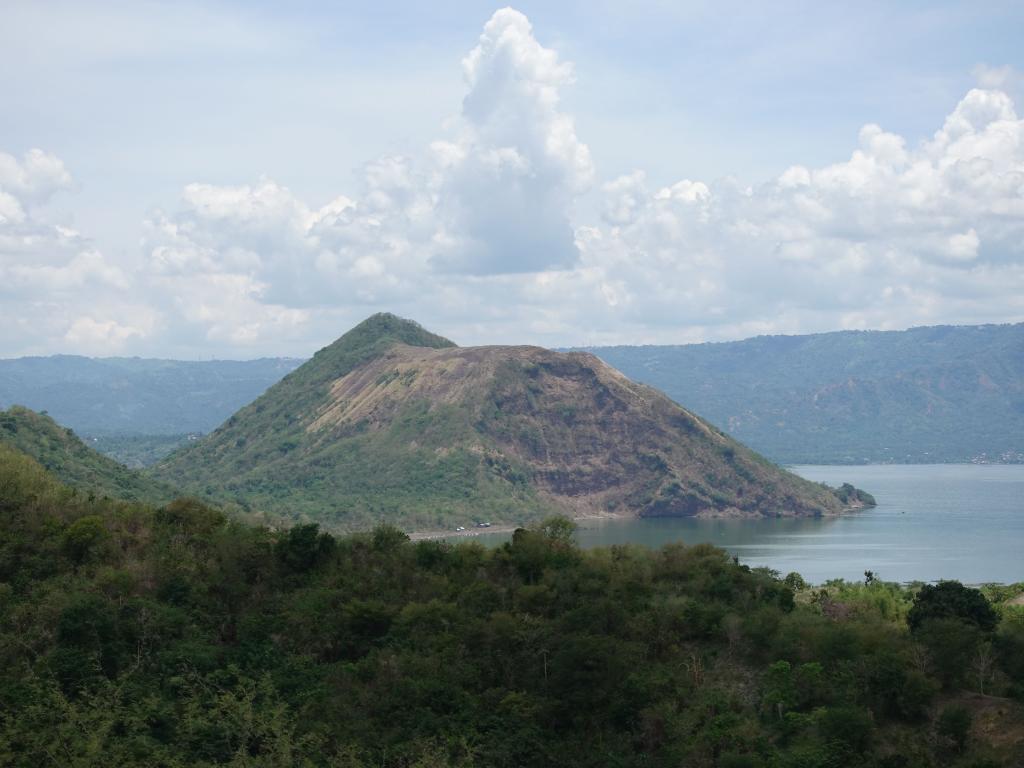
column 487, row 234
column 50, row 272
column 890, row 237
column 511, row 176
column 492, row 198
column 33, row 179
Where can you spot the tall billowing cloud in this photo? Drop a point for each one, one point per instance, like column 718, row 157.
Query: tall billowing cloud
column 493, row 198
column 479, row 235
column 508, row 181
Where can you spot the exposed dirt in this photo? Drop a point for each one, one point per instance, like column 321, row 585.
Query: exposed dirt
column 589, row 439
column 997, row 721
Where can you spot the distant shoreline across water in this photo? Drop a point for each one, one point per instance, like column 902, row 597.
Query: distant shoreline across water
column 932, row 522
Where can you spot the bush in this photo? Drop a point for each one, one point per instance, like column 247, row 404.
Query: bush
column 304, row 547
column 851, row 727
column 952, row 600
column 954, row 725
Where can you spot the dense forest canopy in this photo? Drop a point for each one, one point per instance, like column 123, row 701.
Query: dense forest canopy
column 175, row 636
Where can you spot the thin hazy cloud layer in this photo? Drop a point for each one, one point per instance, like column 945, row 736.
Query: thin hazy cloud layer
column 482, row 235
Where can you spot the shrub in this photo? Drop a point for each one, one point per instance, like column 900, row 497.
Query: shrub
column 951, row 599
column 954, row 725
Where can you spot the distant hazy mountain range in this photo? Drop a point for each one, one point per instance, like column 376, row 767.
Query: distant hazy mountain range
column 135, row 396
column 927, row 394
column 394, row 423
column 133, row 409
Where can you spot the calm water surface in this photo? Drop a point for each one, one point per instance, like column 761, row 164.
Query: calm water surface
column 943, row 521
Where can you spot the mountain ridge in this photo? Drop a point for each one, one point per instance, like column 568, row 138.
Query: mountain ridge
column 394, row 422
column 933, row 393
column 957, row 393
column 130, row 396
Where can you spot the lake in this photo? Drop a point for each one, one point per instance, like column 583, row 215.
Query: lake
column 942, row 521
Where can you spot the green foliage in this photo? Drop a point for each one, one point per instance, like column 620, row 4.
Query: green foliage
column 847, row 729
column 84, row 538
column 952, row 645
column 138, row 451
column 952, row 600
column 795, row 581
column 1009, row 648
column 62, row 453
column 176, row 636
column 387, row 537
column 557, row 529
column 22, row 480
column 851, row 496
column 954, row 725
column 303, row 547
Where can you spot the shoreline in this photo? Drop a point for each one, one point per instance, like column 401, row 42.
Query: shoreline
column 501, row 528
column 474, row 531
column 510, row 527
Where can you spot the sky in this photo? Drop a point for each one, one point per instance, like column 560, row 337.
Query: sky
column 246, row 179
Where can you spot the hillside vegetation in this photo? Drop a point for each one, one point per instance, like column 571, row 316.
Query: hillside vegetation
column 175, row 637
column 60, row 451
column 394, row 423
column 138, row 451
column 923, row 395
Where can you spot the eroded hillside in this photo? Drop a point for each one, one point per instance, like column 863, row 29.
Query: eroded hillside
column 391, row 422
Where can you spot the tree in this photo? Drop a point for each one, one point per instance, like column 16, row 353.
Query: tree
column 795, row 581
column 849, row 727
column 387, row 538
column 558, row 528
column 952, row 600
column 83, row 537
column 303, row 547
column 952, row 646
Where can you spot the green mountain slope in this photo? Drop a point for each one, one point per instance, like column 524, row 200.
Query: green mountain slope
column 393, row 423
column 60, row 451
column 926, row 394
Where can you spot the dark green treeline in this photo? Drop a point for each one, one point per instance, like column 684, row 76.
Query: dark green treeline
column 173, row 636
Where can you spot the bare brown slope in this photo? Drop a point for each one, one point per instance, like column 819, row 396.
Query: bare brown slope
column 391, row 422
column 590, row 440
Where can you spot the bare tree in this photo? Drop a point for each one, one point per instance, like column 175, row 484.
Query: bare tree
column 982, row 664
